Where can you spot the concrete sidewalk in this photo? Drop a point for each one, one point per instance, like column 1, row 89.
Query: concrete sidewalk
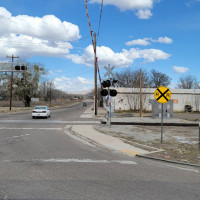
column 88, row 133
column 106, row 137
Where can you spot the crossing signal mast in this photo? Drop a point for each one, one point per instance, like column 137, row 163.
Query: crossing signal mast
column 109, row 92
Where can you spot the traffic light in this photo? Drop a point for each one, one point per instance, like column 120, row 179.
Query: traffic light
column 113, row 93
column 20, row 68
column 106, row 83
column 104, row 92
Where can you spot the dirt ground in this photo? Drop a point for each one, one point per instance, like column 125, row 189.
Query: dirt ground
column 179, row 143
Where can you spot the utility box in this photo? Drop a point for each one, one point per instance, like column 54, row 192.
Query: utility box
column 157, row 109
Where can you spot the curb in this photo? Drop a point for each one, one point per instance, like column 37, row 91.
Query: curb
column 169, row 161
column 152, row 124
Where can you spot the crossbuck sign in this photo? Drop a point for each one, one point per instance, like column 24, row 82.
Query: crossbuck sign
column 109, row 71
column 162, row 94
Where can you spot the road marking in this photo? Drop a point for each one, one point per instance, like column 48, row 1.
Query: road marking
column 5, row 128
column 35, row 121
column 74, row 160
column 17, row 136
column 129, row 152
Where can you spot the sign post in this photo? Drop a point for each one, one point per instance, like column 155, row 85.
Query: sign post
column 199, row 137
column 162, row 95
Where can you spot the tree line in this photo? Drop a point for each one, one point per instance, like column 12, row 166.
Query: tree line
column 153, row 79
column 29, row 84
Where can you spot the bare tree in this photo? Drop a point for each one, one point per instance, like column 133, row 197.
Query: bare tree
column 159, row 79
column 131, row 79
column 188, row 82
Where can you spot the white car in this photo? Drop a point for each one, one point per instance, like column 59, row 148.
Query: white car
column 41, row 111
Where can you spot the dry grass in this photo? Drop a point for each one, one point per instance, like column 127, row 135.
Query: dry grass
column 177, row 141
column 18, row 106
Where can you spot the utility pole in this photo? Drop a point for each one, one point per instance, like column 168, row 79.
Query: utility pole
column 140, row 92
column 11, row 80
column 95, row 74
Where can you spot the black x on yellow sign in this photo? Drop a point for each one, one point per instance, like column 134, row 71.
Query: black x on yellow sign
column 162, row 94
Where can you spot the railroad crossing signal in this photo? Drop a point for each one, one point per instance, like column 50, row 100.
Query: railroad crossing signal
column 106, row 83
column 109, row 71
column 105, row 92
column 162, row 94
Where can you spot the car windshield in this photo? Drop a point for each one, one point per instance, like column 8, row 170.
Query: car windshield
column 40, row 108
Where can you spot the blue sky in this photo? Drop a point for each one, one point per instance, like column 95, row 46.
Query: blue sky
column 151, row 34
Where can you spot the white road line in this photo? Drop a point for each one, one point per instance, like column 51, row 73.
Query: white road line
column 74, row 160
column 17, row 136
column 5, row 128
column 49, row 122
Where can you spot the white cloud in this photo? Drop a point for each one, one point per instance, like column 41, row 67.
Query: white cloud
column 28, row 36
column 69, row 84
column 48, row 27
column 144, row 14
column 146, row 41
column 123, row 59
column 50, row 72
column 142, row 42
column 84, row 80
column 27, row 46
column 164, row 40
column 59, row 71
column 180, row 70
column 142, row 8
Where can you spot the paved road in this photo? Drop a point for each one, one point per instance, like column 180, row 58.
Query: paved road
column 39, row 160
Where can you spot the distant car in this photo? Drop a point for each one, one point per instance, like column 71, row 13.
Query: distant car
column 41, row 111
column 84, row 104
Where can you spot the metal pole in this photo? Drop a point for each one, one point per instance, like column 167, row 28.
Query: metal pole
column 95, row 75
column 162, row 125
column 199, row 137
column 110, row 109
column 140, row 92
column 109, row 112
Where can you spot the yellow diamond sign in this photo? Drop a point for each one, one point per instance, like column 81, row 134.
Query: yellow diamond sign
column 162, row 94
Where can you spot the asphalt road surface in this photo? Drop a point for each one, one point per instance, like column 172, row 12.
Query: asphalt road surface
column 39, row 160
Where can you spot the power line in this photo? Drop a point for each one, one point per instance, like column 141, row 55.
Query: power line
column 100, row 20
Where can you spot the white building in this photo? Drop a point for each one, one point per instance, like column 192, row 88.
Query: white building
column 129, row 98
